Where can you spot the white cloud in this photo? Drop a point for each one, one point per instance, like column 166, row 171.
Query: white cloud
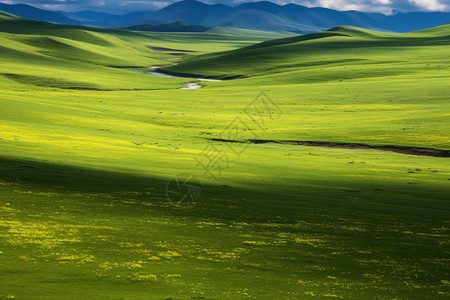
column 383, row 6
column 431, row 5
column 383, row 2
column 149, row 4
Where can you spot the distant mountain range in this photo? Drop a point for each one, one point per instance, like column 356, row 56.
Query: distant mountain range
column 270, row 16
column 98, row 19
column 33, row 13
column 254, row 15
column 86, row 18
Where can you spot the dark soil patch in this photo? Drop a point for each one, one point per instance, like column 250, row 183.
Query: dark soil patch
column 398, row 149
column 105, row 90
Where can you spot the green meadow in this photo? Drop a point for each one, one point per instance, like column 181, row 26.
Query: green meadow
column 90, row 145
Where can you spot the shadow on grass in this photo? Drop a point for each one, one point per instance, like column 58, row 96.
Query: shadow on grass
column 280, row 202
column 217, row 201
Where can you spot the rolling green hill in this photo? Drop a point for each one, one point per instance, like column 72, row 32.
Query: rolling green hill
column 7, row 16
column 53, row 55
column 171, row 27
column 248, row 32
column 310, row 209
column 345, row 45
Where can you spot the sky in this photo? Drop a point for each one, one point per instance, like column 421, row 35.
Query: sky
column 124, row 6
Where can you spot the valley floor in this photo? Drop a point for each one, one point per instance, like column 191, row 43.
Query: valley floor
column 85, row 174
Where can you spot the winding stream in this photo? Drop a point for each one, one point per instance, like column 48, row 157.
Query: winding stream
column 188, row 86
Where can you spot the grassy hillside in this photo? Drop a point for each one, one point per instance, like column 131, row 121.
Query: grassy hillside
column 7, row 16
column 349, row 46
column 84, row 211
column 376, row 67
column 248, row 32
column 51, row 55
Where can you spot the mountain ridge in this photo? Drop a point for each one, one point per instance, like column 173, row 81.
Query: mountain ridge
column 83, row 18
column 266, row 15
column 262, row 15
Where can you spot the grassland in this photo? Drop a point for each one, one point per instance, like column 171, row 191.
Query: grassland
column 88, row 147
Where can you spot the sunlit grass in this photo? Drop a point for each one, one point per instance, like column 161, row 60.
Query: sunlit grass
column 83, row 205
